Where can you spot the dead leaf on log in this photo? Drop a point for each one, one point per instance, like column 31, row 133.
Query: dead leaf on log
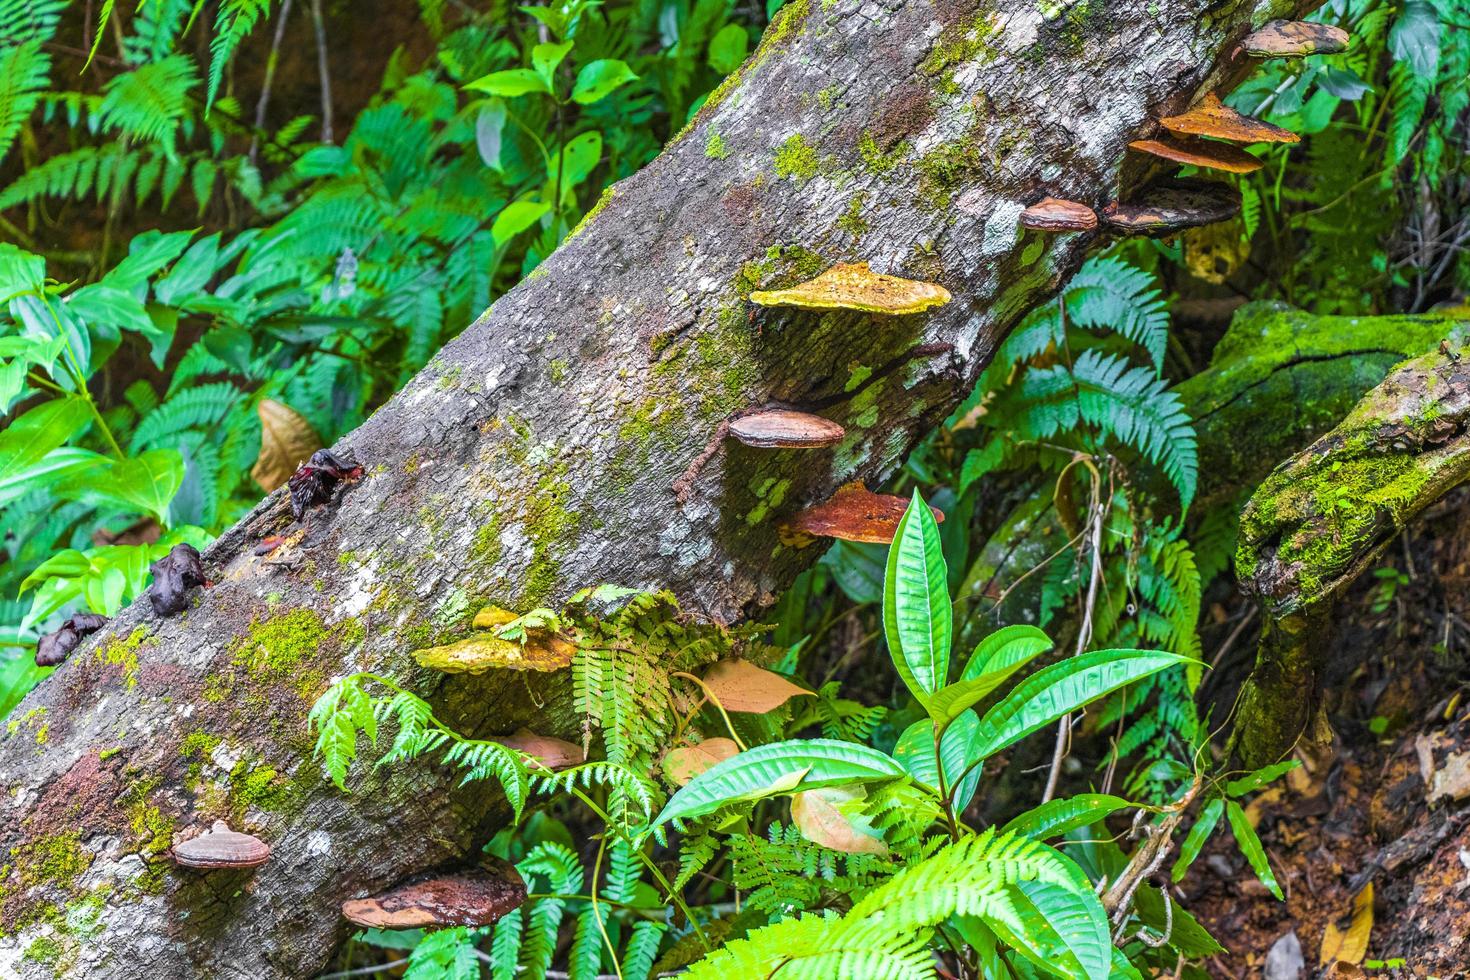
column 739, row 685
column 553, row 753
column 853, row 513
column 477, row 654
column 832, row 818
column 684, row 763
column 1350, row 945
column 286, row 441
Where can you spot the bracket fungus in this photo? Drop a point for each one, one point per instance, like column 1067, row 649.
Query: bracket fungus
column 1200, row 153
column 784, row 428
column 1215, row 119
column 1055, row 214
column 1169, row 206
column 56, row 646
column 853, row 513
column 854, row 286
column 467, row 898
column 221, row 847
column 1293, row 39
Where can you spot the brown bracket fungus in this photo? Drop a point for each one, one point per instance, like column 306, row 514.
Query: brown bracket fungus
column 1055, row 214
column 1293, row 39
column 1200, row 153
column 1215, row 119
column 54, row 647
column 1170, row 206
column 221, row 847
column 853, row 286
column 468, row 898
column 853, row 513
column 783, row 428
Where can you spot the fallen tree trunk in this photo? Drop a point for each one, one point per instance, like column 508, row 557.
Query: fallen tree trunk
column 1323, row 517
column 535, row 455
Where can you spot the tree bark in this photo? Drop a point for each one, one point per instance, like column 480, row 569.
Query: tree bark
column 535, row 455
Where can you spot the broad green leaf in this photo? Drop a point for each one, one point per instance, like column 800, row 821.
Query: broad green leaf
column 597, row 80
column 1185, row 933
column 27, row 441
column 1255, row 780
column 1122, row 969
column 1004, row 652
column 917, row 616
column 578, row 159
column 489, row 132
column 56, row 467
column 727, row 48
column 1057, row 817
column 1061, row 688
column 141, row 484
column 1250, row 846
column 1195, row 839
column 1415, row 37
column 515, row 218
column 20, row 272
column 545, row 58
column 18, row 674
column 780, row 767
column 915, row 752
column 510, row 83
column 147, row 253
column 100, row 305
column 1061, row 930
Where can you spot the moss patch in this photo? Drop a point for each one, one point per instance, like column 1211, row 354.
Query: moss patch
column 124, row 654
column 796, row 159
column 715, row 147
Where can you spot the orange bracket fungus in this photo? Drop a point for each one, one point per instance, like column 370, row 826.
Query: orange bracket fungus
column 468, row 898
column 784, row 428
column 1055, row 214
column 1200, row 153
column 853, row 513
column 1170, row 206
column 853, row 286
column 221, row 847
column 1293, row 39
column 1217, row 120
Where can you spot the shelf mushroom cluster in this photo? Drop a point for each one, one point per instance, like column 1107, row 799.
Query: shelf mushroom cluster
column 476, row 897
column 1204, row 137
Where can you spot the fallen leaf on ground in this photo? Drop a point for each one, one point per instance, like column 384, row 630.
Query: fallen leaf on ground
column 1350, row 945
column 1451, row 779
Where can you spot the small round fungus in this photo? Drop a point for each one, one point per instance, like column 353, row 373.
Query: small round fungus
column 477, row 897
column 1169, row 206
column 1055, row 214
column 853, row 286
column 1200, row 153
column 1294, row 38
column 853, row 513
column 1215, row 119
column 221, row 847
column 783, row 428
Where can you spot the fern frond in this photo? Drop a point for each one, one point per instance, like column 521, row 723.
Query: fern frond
column 234, row 20
column 149, row 103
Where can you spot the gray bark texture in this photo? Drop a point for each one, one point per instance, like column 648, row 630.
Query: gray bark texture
column 534, row 456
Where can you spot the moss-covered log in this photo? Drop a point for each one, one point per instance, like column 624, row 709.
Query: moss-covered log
column 535, row 455
column 1324, row 516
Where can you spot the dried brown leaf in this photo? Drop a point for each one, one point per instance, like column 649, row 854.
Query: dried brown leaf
column 684, row 763
column 286, row 441
column 739, row 685
column 818, row 814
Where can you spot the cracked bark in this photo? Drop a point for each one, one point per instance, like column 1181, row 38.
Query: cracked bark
column 535, row 456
